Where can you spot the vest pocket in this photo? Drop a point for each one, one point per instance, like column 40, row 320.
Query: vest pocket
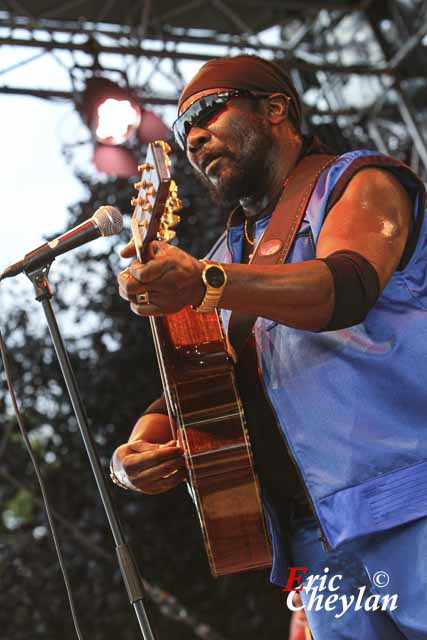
column 393, row 499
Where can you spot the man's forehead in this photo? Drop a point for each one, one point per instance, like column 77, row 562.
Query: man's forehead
column 200, row 94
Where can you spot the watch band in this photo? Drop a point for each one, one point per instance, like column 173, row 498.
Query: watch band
column 212, row 294
column 115, row 478
column 121, row 480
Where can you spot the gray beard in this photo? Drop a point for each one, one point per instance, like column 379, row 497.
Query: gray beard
column 251, row 169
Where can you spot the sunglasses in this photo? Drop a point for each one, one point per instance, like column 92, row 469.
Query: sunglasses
column 201, row 111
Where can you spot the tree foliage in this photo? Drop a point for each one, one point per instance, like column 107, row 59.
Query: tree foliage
column 114, row 363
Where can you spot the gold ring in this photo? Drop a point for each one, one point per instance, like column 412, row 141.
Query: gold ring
column 142, row 298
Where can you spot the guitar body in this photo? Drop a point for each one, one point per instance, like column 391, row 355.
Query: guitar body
column 199, row 382
column 198, row 377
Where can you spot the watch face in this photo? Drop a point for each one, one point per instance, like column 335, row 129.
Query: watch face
column 215, row 276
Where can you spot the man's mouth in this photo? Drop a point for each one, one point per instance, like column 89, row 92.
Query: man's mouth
column 211, row 165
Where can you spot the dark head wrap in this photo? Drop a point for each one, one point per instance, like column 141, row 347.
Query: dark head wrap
column 245, row 72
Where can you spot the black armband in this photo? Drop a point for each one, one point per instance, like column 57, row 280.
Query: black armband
column 158, row 406
column 357, row 288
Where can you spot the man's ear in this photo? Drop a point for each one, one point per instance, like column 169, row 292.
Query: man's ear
column 278, row 107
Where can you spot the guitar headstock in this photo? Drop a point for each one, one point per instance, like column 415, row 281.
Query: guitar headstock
column 157, row 201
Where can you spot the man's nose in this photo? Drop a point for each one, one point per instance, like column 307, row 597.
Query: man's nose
column 196, row 138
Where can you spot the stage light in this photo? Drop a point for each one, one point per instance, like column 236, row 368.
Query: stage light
column 111, row 112
column 117, row 120
column 115, row 161
column 119, row 124
column 152, row 128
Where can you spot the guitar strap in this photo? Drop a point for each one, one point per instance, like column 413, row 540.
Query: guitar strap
column 276, row 241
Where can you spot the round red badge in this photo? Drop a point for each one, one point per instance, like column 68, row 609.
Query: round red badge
column 270, row 247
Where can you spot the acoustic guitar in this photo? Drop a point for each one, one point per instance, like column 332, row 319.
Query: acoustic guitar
column 199, row 381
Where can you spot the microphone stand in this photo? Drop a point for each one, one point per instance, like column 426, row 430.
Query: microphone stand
column 128, row 567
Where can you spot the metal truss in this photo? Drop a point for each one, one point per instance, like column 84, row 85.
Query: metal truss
column 358, row 65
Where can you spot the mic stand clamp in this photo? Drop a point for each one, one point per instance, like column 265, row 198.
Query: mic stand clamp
column 128, row 567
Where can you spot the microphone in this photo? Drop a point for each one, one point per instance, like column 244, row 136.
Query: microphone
column 106, row 221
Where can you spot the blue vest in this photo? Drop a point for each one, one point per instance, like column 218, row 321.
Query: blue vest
column 352, row 403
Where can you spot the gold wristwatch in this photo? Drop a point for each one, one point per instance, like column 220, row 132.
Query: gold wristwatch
column 214, row 278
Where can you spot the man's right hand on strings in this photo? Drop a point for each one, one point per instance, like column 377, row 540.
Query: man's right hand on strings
column 150, row 462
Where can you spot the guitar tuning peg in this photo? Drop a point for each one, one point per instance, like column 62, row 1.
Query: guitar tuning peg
column 166, row 234
column 176, row 204
column 146, row 166
column 151, row 191
column 137, row 201
column 162, row 143
column 170, row 219
column 143, row 184
column 147, row 207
